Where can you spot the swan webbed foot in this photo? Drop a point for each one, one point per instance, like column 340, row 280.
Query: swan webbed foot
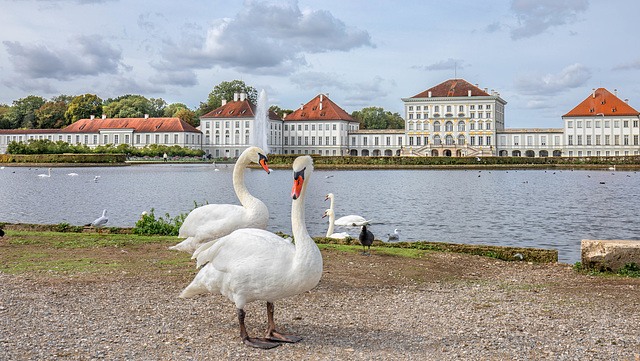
column 282, row 337
column 262, row 343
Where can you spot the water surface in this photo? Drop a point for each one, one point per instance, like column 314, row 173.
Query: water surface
column 522, row 208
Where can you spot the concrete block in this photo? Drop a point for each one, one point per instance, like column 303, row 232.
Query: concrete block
column 609, row 255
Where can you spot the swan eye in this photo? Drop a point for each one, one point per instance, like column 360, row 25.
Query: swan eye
column 299, row 174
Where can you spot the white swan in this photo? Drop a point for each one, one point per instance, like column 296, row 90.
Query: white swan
column 347, row 221
column 45, row 175
column 212, row 221
column 99, row 222
column 72, row 174
column 256, row 265
column 332, row 218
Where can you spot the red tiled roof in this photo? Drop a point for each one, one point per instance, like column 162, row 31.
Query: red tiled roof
column 28, row 131
column 238, row 109
column 139, row 124
column 452, row 88
column 602, row 102
column 320, row 108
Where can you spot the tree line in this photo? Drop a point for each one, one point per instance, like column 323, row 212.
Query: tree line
column 36, row 112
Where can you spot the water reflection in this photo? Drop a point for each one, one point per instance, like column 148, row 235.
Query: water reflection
column 530, row 208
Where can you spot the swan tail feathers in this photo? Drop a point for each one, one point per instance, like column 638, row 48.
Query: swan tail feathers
column 185, row 246
column 193, row 290
column 202, row 248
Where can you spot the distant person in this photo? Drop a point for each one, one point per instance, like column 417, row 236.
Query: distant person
column 165, row 157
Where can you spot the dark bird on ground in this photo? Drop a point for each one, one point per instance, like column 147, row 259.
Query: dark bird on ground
column 366, row 239
column 1, row 233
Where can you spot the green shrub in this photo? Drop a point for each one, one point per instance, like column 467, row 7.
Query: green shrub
column 149, row 225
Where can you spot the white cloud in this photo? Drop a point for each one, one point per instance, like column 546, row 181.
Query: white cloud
column 86, row 55
column 635, row 64
column 354, row 94
column 264, row 37
column 537, row 16
column 448, row 64
column 573, row 76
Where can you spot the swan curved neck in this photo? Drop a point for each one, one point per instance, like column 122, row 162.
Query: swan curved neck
column 238, row 181
column 298, row 224
column 332, row 219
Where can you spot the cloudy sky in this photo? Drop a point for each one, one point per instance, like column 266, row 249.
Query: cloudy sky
column 542, row 56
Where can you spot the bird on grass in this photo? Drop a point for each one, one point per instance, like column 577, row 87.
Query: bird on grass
column 99, row 222
column 1, row 232
column 366, row 240
column 252, row 264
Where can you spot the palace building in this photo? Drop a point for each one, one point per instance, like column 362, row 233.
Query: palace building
column 93, row 132
column 453, row 119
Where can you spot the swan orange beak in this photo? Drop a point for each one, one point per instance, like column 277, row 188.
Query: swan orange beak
column 298, row 180
column 324, row 215
column 263, row 163
column 325, row 198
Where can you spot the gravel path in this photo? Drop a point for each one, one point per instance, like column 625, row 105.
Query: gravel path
column 490, row 310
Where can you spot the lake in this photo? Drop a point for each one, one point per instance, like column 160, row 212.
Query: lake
column 522, row 208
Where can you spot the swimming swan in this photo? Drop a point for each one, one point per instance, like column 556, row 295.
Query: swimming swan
column 256, row 265
column 347, row 221
column 332, row 218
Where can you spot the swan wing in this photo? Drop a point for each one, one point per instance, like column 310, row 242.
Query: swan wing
column 245, row 248
column 210, row 222
column 350, row 221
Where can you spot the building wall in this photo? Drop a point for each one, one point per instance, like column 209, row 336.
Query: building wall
column 324, row 137
column 601, row 135
column 228, row 137
column 108, row 136
column 375, row 142
column 467, row 123
column 530, row 142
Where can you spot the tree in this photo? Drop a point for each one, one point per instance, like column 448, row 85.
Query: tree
column 22, row 113
column 158, row 107
column 51, row 115
column 225, row 90
column 173, row 108
column 279, row 111
column 63, row 98
column 133, row 106
column 4, row 122
column 83, row 107
column 188, row 116
column 378, row 118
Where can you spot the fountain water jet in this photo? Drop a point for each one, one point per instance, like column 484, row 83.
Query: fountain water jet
column 259, row 135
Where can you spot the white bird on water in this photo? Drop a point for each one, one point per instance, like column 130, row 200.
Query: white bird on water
column 45, row 175
column 347, row 221
column 395, row 236
column 253, row 264
column 99, row 222
column 332, row 219
column 72, row 174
